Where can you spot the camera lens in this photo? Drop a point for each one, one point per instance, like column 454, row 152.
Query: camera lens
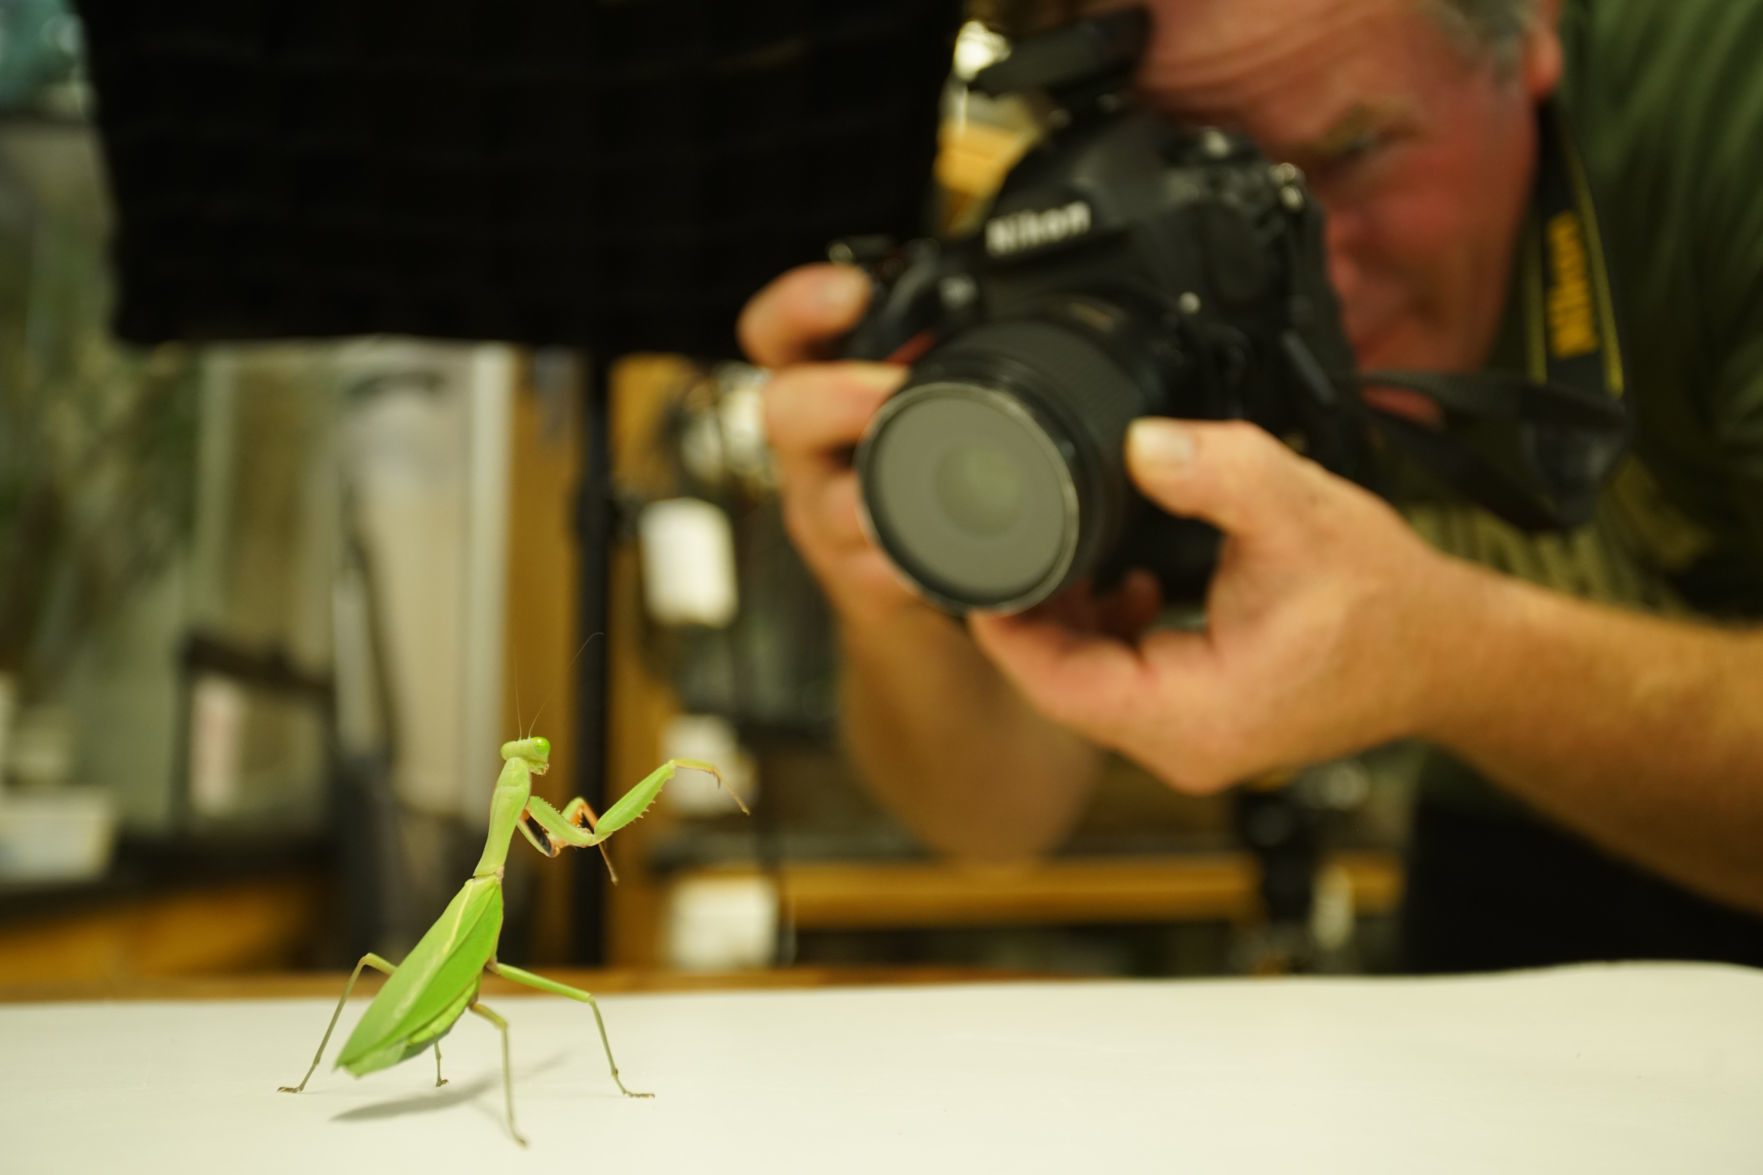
column 995, row 477
column 980, row 488
column 969, row 493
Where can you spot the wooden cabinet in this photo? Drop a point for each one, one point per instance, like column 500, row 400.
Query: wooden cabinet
column 268, row 922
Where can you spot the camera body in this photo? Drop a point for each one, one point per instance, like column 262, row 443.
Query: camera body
column 1127, row 267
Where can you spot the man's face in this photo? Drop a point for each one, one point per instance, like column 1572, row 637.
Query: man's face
column 1421, row 154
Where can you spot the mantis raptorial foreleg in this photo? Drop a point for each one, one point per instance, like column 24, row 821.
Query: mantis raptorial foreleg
column 507, row 1069
column 566, row 826
column 579, row 814
column 636, row 801
column 546, row 846
column 378, row 964
column 562, row 828
column 574, row 993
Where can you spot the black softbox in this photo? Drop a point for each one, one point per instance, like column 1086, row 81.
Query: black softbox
column 608, row 175
column 618, row 175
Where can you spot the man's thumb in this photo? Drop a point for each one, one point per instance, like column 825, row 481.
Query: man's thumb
column 1229, row 473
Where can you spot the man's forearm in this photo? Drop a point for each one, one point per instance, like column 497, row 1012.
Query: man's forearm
column 950, row 746
column 1644, row 734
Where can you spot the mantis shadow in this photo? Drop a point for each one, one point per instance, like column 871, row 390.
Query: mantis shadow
column 450, row 1095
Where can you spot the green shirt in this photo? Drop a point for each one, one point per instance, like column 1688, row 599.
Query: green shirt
column 1665, row 99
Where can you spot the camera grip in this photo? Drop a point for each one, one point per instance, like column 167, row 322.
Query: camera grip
column 905, row 294
column 878, row 335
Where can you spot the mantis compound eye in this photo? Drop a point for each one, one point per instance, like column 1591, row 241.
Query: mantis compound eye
column 542, row 745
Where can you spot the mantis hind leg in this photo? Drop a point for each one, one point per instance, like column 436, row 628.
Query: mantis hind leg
column 367, row 960
column 439, row 1080
column 507, row 1069
column 574, row 993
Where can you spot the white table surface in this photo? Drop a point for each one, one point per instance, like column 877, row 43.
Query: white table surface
column 1655, row 1068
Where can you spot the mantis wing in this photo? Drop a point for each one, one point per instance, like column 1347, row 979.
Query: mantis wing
column 431, row 987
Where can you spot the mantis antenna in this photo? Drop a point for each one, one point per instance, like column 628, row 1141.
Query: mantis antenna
column 553, row 693
column 516, row 676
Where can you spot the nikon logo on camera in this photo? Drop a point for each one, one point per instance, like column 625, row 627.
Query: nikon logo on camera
column 1029, row 229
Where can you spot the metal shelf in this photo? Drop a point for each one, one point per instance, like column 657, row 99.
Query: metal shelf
column 842, row 895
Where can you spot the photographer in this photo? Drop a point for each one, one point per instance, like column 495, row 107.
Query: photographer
column 1626, row 718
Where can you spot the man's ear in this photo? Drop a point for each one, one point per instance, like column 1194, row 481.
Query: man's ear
column 1540, row 66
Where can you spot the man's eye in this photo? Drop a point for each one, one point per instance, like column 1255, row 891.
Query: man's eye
column 1339, row 162
column 1356, row 148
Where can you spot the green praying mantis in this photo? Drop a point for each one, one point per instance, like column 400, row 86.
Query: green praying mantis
column 438, row 981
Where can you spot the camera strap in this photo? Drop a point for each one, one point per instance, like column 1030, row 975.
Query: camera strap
column 1569, row 312
column 1535, row 447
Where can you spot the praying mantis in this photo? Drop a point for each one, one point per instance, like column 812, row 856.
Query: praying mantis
column 438, row 981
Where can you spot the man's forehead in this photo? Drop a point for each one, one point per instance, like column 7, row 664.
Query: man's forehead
column 1292, row 70
column 1238, row 19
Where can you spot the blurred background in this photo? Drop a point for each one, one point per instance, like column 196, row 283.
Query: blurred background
column 267, row 609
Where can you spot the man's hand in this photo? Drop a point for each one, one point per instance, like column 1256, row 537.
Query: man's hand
column 929, row 722
column 1321, row 621
column 815, row 413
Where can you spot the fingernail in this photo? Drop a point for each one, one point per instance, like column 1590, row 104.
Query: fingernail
column 878, row 377
column 1162, row 443
column 873, row 380
column 844, row 290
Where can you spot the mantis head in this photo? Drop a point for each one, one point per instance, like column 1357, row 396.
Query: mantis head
column 536, row 751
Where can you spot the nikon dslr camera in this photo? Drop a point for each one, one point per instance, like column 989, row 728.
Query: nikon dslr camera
column 1127, row 267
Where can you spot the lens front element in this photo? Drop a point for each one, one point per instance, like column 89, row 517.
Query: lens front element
column 971, row 494
column 980, row 488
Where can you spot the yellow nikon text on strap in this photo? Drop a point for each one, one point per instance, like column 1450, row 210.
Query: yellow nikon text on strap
column 1573, row 329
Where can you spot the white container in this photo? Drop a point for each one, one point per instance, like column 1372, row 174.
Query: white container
column 687, row 547
column 721, row 923
column 40, row 747
column 61, row 834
